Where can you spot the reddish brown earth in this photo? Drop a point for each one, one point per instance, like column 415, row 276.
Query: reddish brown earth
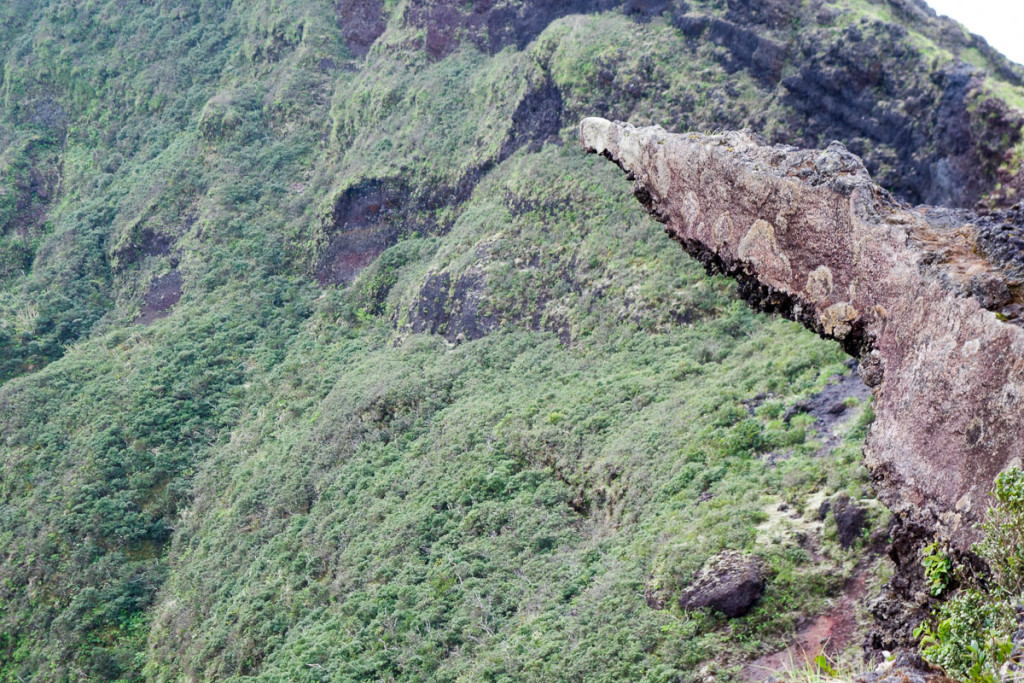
column 827, row 634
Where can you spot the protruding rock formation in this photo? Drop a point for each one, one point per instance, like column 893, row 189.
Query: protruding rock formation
column 909, row 292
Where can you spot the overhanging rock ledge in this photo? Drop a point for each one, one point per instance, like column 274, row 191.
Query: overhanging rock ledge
column 909, row 291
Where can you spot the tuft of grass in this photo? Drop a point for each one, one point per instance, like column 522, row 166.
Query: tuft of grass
column 838, row 668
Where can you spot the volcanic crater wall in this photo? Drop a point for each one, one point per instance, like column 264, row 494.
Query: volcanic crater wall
column 908, row 291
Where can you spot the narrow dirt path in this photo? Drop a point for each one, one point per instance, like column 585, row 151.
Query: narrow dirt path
column 828, row 634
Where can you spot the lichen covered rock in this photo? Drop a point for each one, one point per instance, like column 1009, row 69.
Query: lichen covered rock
column 730, row 583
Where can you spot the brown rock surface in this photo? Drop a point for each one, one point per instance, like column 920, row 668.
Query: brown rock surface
column 808, row 234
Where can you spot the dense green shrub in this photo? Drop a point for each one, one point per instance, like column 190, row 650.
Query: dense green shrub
column 972, row 633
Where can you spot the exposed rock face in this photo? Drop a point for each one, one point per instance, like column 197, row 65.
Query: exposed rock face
column 731, row 583
column 371, row 215
column 164, row 292
column 943, row 143
column 361, row 22
column 807, row 234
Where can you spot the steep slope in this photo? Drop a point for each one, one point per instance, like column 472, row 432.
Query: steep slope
column 327, row 356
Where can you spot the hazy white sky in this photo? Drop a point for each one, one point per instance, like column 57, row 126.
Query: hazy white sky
column 1000, row 22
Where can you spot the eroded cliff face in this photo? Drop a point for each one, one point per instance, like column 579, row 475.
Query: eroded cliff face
column 908, row 291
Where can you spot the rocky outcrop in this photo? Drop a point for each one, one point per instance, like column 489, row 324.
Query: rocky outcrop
column 164, row 292
column 361, row 23
column 373, row 214
column 908, row 291
column 731, row 583
column 30, row 170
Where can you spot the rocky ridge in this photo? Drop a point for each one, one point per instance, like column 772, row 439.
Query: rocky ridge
column 908, row 291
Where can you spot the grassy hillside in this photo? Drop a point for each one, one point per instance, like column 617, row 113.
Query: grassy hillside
column 326, row 355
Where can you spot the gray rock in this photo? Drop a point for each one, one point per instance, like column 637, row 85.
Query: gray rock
column 991, row 291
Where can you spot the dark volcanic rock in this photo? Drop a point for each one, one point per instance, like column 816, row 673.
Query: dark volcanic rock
column 361, row 22
column 164, row 292
column 430, row 313
column 928, row 132
column 1000, row 236
column 849, row 92
column 762, row 56
column 33, row 185
column 364, row 222
column 373, row 214
column 453, row 311
column 491, row 25
column 850, row 519
column 537, row 119
column 147, row 243
column 731, row 583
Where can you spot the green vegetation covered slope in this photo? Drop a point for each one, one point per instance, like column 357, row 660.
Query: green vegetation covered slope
column 327, row 356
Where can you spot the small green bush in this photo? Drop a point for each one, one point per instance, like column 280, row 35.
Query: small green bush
column 1003, row 545
column 938, row 569
column 970, row 634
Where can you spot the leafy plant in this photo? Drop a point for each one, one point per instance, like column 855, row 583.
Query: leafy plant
column 822, row 663
column 823, row 668
column 970, row 635
column 938, row 569
column 1002, row 545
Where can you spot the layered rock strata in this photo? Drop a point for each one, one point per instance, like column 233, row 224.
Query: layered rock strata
column 908, row 291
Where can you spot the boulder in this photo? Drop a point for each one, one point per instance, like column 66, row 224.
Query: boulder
column 849, row 518
column 730, row 583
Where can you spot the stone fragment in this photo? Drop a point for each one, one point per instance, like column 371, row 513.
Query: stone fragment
column 991, row 291
column 871, row 369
